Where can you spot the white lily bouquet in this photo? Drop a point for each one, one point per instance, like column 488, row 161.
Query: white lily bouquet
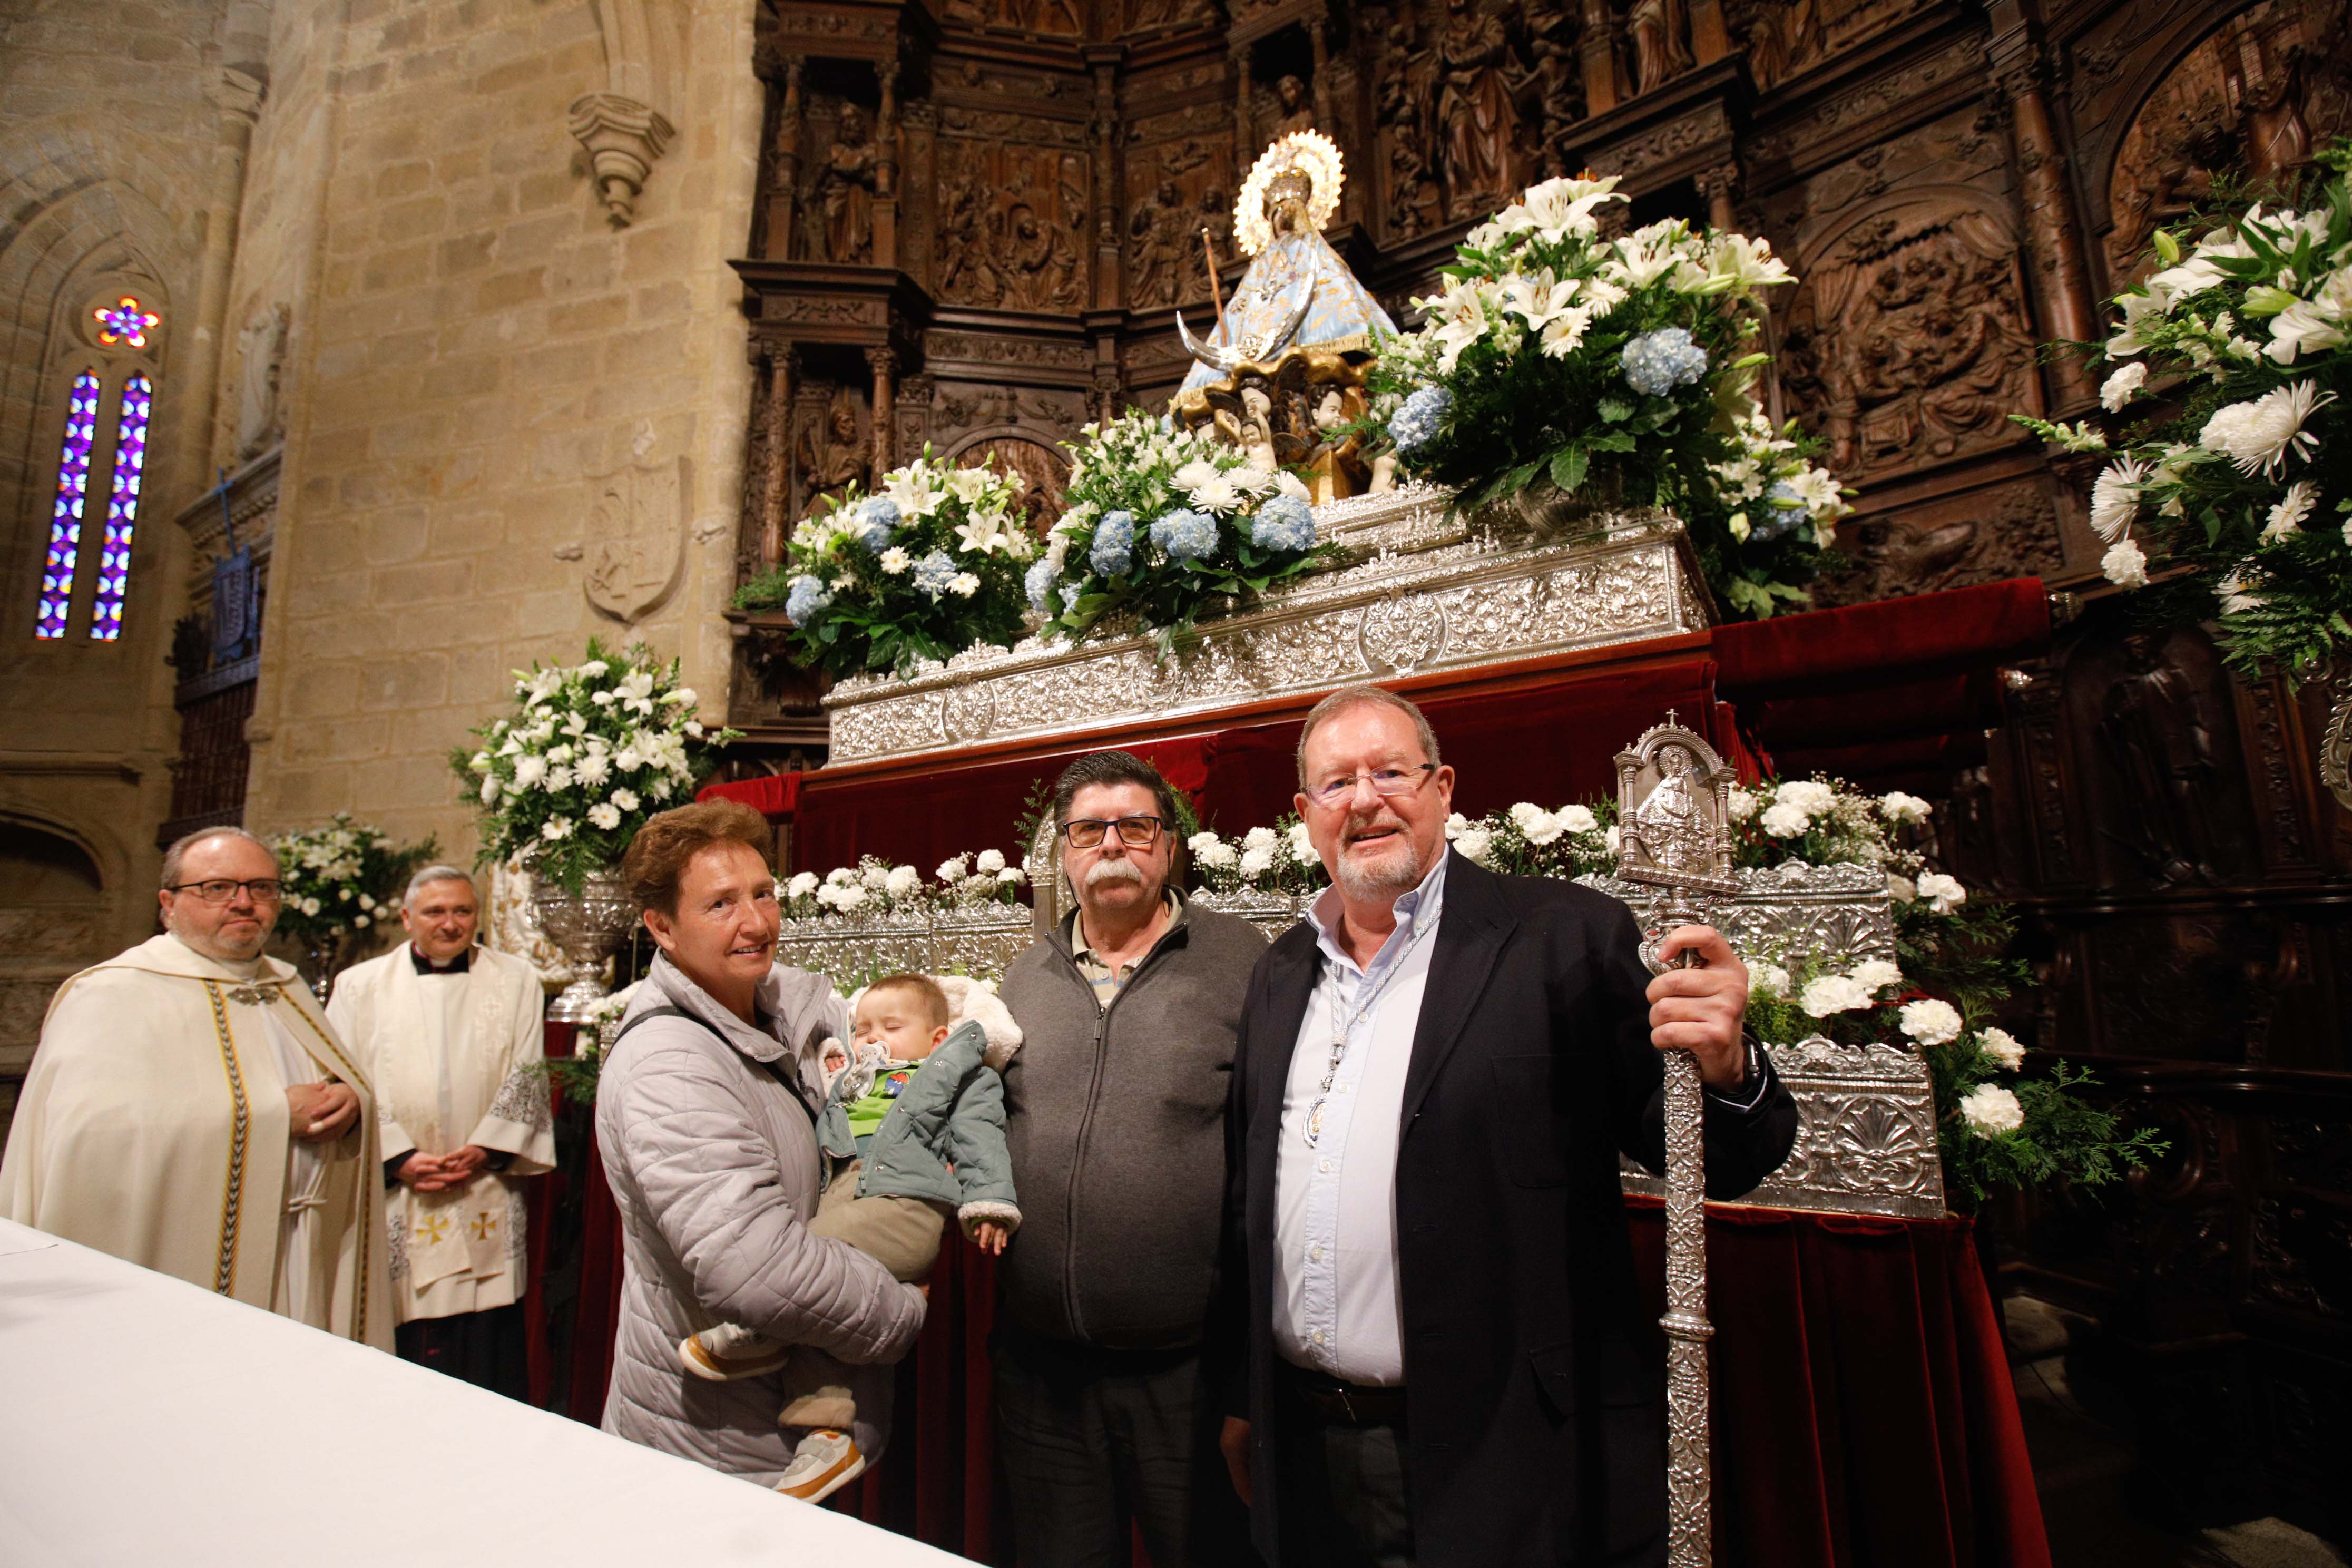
column 927, row 566
column 590, row 751
column 1555, row 361
column 2239, row 495
column 1161, row 524
column 341, row 879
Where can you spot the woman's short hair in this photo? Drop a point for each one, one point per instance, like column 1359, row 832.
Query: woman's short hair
column 657, row 856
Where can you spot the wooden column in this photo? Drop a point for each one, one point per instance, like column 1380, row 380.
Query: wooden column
column 1604, row 77
column 782, row 362
column 2062, row 281
column 1717, row 185
column 784, row 200
column 886, row 364
column 886, row 172
column 1324, row 121
column 1710, row 39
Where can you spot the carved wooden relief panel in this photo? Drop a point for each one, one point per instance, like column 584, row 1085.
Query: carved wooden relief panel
column 1012, row 219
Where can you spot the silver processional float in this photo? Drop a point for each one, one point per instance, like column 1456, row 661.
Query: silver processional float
column 1673, row 822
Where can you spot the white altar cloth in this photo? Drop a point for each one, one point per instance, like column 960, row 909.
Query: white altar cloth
column 145, row 1420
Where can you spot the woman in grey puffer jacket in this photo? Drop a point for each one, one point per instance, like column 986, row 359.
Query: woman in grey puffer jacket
column 705, row 1119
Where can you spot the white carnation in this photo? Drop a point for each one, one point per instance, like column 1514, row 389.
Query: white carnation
column 1012, row 876
column 1302, row 847
column 1990, row 1110
column 1944, row 894
column 1577, row 819
column 1257, row 860
column 1475, row 844
column 1258, row 839
column 954, row 870
column 1827, row 994
column 1769, row 980
column 2126, row 565
column 1215, row 853
column 1741, row 804
column 1930, row 1021
column 990, row 863
column 802, row 886
column 1816, row 798
column 1544, row 828
column 903, row 882
column 2003, row 1047
column 874, row 878
column 1200, row 843
column 1902, row 889
column 848, row 896
column 490, row 790
column 2123, row 385
column 1786, row 819
column 1876, row 974
column 1896, row 806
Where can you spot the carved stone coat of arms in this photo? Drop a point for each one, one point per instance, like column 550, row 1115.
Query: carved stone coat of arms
column 637, row 536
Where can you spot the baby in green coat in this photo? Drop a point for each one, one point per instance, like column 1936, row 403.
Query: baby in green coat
column 914, row 1130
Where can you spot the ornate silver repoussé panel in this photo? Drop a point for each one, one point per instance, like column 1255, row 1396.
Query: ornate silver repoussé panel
column 1429, row 593
column 979, row 939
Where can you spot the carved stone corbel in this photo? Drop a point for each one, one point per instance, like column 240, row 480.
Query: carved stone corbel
column 623, row 138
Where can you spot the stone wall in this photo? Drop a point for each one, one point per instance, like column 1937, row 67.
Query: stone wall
column 516, row 423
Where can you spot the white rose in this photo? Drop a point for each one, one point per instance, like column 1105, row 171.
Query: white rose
column 1896, row 806
column 1944, row 894
column 2003, row 1047
column 991, row 862
column 1990, row 1110
column 1930, row 1021
column 604, row 815
column 1786, row 819
column 1876, row 974
column 1577, row 819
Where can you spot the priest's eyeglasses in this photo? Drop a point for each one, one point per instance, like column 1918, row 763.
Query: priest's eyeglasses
column 221, row 889
column 1387, row 782
column 1135, row 832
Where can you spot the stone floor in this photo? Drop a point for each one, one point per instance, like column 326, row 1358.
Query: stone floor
column 2082, row 1464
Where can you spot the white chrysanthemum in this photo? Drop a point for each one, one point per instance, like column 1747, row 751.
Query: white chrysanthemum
column 2287, row 516
column 1218, row 495
column 2258, row 435
column 1577, row 819
column 1827, row 994
column 2114, row 497
column 990, row 862
column 555, row 828
column 1931, row 1022
column 2003, row 1047
column 1990, row 1110
column 604, row 814
column 2123, row 385
column 529, row 771
column 895, row 561
column 1944, row 894
column 963, row 584
column 1876, row 974
column 2126, row 565
column 1786, row 819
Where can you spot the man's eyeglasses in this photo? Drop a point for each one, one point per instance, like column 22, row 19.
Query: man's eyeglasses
column 1387, row 782
column 1135, row 832
column 220, row 889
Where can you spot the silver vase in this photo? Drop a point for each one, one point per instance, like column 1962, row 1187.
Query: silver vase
column 2335, row 742
column 586, row 927
column 1551, row 512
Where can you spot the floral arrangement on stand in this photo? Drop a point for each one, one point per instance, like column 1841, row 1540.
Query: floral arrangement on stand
column 341, row 880
column 1557, row 366
column 2235, row 501
column 1161, row 523
column 1996, row 1126
column 929, row 565
column 590, row 751
column 873, row 886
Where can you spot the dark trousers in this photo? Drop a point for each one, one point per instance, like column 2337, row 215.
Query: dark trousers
column 484, row 1349
column 1096, row 1443
column 1341, row 1481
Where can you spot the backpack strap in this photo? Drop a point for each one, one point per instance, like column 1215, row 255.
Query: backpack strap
column 774, row 1070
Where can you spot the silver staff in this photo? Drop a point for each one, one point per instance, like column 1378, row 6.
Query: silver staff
column 1673, row 813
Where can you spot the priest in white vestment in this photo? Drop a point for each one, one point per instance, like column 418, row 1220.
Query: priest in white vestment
column 450, row 1034
column 191, row 1110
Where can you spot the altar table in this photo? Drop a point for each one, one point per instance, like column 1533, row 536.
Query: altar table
column 149, row 1420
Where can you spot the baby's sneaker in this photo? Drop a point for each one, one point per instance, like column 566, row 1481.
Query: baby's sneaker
column 825, row 1461
column 727, row 1352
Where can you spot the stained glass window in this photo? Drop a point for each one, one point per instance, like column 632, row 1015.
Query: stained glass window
column 65, row 521
column 125, row 323
column 121, row 509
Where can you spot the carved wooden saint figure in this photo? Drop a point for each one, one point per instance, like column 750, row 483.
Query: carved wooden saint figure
column 841, row 460
column 1298, row 115
column 841, row 207
column 1157, row 246
column 1478, row 123
column 1660, row 52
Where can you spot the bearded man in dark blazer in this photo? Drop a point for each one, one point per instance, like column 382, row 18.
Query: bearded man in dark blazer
column 1436, row 1351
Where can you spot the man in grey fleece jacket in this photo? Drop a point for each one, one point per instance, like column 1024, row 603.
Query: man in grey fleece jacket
column 1115, row 1113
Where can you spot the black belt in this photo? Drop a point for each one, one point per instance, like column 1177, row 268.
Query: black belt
column 1345, row 1404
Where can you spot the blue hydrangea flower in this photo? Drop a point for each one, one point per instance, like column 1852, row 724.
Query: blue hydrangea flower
column 1071, row 593
column 808, row 596
column 1284, row 522
column 1114, row 547
column 873, row 520
column 1185, row 534
column 933, row 572
column 1657, row 363
column 1782, row 511
column 1414, row 426
column 1039, row 581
